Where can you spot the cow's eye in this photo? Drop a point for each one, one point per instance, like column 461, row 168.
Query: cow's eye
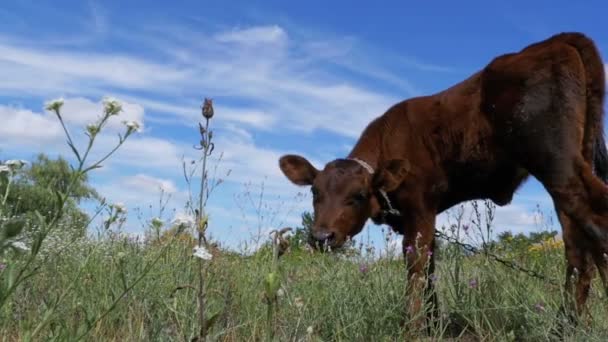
column 357, row 198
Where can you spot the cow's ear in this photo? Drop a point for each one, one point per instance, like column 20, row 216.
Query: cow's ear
column 297, row 169
column 390, row 174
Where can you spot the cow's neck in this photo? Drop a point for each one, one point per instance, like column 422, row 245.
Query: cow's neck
column 369, row 146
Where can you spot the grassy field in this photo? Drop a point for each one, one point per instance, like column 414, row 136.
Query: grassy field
column 322, row 297
column 58, row 282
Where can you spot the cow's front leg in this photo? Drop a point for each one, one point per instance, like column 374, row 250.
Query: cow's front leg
column 418, row 250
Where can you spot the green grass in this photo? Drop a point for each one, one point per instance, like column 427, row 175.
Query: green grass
column 325, row 297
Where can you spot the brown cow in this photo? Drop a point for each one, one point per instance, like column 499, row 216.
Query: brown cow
column 536, row 112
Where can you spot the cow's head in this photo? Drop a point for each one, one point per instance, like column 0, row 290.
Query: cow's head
column 345, row 194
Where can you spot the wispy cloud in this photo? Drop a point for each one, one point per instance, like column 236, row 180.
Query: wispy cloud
column 279, row 79
column 23, row 127
column 68, row 70
column 254, row 36
column 141, row 191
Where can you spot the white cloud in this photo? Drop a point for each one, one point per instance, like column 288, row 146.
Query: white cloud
column 254, row 35
column 23, row 126
column 62, row 69
column 140, row 190
column 160, row 154
column 191, row 114
column 81, row 111
column 283, row 85
column 514, row 217
column 26, row 128
column 143, row 182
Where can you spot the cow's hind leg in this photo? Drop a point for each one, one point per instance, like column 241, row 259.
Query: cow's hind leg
column 579, row 272
column 554, row 156
column 582, row 203
column 601, row 261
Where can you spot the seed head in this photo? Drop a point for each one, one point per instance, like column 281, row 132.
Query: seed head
column 92, row 129
column 207, row 108
column 272, row 284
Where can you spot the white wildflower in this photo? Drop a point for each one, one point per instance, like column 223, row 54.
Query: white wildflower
column 202, row 253
column 309, row 330
column 119, row 207
column 111, row 106
column 280, row 293
column 183, row 219
column 20, row 245
column 54, row 105
column 299, row 302
column 132, row 126
column 15, row 164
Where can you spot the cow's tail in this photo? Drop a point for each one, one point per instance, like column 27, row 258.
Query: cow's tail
column 594, row 145
column 600, row 158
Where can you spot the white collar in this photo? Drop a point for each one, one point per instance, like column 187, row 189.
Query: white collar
column 364, row 164
column 383, row 193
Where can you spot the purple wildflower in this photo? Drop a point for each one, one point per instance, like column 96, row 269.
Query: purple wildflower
column 465, row 227
column 409, row 249
column 429, row 253
column 2, row 266
column 433, row 278
column 473, row 283
column 363, row 268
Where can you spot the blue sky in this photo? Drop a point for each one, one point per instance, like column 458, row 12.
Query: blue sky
column 286, row 77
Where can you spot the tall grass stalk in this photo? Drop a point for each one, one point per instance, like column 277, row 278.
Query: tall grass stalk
column 206, row 147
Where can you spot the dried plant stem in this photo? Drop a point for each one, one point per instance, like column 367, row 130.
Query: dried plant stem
column 201, row 226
